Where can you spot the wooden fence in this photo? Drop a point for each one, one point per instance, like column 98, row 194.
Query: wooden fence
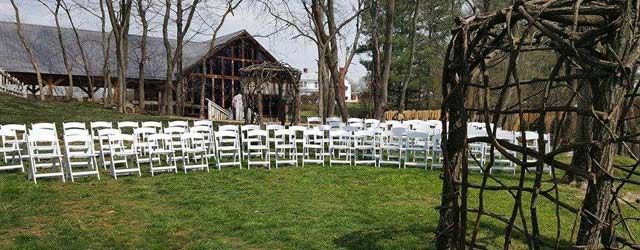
column 11, row 85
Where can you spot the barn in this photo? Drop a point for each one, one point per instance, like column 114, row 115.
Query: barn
column 220, row 72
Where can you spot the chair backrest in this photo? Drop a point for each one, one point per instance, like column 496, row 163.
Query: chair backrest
column 206, row 123
column 227, row 138
column 313, row 137
column 333, row 119
column 364, row 138
column 257, row 137
column 42, row 142
column 128, row 125
column 78, row 143
column 193, row 140
column 352, row 121
column 76, row 131
column 44, row 126
column 339, row 137
column 418, row 140
column 314, row 121
column 393, row 123
column 8, row 139
column 160, row 141
column 399, row 131
column 157, row 126
column 200, row 130
column 228, row 128
column 272, row 127
column 121, row 142
column 97, row 126
column 286, row 136
column 175, row 130
column 73, row 125
column 182, row 124
column 19, row 129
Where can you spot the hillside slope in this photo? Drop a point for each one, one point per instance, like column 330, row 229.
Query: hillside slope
column 26, row 111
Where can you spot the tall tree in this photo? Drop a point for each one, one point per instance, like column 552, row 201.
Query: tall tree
column 142, row 7
column 402, row 102
column 85, row 63
column 174, row 56
column 120, row 20
column 27, row 47
column 63, row 50
column 380, row 53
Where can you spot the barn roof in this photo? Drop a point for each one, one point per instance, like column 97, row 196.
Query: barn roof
column 44, row 42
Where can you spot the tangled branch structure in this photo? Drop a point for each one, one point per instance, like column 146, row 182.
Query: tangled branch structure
column 588, row 52
column 275, row 79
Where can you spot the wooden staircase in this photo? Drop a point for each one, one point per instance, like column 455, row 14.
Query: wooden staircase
column 216, row 112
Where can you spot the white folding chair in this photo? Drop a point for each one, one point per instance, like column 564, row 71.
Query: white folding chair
column 333, row 119
column 364, row 147
column 207, row 136
column 417, row 149
column 227, row 149
column 436, row 150
column 141, row 136
column 391, row 147
column 45, row 157
column 298, row 132
column 103, row 144
column 122, row 149
column 127, row 127
column 244, row 130
column 194, row 151
column 258, row 147
column 314, row 122
column 286, row 147
column 10, row 149
column 97, row 126
column 340, row 147
column 500, row 162
column 313, row 147
column 80, row 154
column 371, row 123
column 21, row 136
column 175, row 133
column 157, row 126
column 181, row 124
column 161, row 149
column 476, row 150
column 271, row 128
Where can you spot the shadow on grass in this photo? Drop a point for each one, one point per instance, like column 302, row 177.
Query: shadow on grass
column 375, row 238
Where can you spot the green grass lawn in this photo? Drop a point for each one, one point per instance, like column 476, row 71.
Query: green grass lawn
column 292, row 207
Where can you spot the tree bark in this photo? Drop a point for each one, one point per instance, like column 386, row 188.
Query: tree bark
column 120, row 21
column 142, row 12
column 85, row 62
column 381, row 60
column 27, row 47
column 402, row 102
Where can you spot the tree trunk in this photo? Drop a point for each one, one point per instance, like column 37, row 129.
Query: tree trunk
column 607, row 94
column 202, row 90
column 63, row 50
column 402, row 102
column 381, row 62
column 142, row 12
column 83, row 55
column 23, row 40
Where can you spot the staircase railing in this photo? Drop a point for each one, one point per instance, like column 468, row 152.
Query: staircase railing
column 216, row 112
column 11, row 85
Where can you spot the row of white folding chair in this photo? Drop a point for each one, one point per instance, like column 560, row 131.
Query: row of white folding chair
column 45, row 157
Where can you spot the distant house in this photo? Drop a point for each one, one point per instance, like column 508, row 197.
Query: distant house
column 309, row 85
column 221, row 77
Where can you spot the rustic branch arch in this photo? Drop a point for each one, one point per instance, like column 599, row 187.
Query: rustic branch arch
column 276, row 79
column 581, row 46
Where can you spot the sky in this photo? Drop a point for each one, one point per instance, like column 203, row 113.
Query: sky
column 299, row 52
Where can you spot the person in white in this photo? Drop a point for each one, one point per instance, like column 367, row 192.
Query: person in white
column 237, row 107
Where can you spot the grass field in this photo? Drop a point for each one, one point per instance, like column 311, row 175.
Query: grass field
column 292, row 207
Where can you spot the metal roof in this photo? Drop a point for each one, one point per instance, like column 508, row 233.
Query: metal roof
column 44, row 42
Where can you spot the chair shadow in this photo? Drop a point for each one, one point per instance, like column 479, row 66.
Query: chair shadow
column 370, row 239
